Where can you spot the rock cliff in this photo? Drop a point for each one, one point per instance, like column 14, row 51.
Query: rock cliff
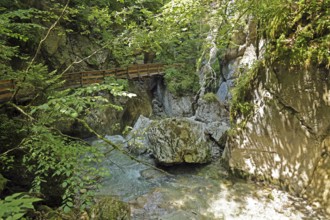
column 286, row 138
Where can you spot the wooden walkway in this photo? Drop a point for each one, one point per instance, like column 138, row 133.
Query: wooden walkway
column 79, row 79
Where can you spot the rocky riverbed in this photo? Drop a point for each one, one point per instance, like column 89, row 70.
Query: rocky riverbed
column 197, row 192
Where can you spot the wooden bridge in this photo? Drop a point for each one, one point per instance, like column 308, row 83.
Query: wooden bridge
column 79, row 79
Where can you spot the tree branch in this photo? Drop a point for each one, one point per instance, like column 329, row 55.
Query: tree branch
column 47, row 34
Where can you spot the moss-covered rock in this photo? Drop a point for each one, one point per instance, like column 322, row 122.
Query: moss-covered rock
column 109, row 208
column 175, row 140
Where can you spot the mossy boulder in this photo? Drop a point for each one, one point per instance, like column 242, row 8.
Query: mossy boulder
column 175, row 140
column 109, row 208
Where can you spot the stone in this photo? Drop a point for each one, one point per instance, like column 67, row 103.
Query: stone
column 175, row 141
column 111, row 121
column 179, row 215
column 217, row 131
column 137, row 139
column 173, row 106
column 223, row 93
column 210, row 111
column 109, row 208
column 286, row 137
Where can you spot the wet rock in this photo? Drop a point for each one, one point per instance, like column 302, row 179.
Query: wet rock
column 179, row 215
column 174, row 141
column 151, row 174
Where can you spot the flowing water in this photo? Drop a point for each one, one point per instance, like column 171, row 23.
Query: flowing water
column 197, row 192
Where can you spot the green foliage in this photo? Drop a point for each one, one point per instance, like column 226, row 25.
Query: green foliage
column 296, row 30
column 55, row 159
column 15, row 206
column 240, row 104
column 181, row 80
column 210, row 97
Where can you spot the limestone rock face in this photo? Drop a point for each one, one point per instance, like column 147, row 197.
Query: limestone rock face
column 174, row 141
column 287, row 137
column 177, row 106
column 171, row 105
column 210, row 111
column 241, row 55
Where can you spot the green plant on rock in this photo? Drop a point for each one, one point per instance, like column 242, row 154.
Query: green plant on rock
column 210, row 97
column 240, row 104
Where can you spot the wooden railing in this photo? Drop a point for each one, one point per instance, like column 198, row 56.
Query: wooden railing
column 78, row 79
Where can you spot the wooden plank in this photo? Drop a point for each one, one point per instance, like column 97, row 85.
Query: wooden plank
column 5, row 82
column 87, row 82
column 5, row 89
column 93, row 77
column 6, row 96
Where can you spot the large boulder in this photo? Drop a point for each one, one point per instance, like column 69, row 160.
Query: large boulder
column 174, row 141
column 286, row 138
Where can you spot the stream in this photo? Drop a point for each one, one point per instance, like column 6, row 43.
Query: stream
column 196, row 192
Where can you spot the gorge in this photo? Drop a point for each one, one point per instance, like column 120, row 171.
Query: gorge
column 236, row 126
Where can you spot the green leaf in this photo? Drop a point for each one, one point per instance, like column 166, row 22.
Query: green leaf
column 66, row 209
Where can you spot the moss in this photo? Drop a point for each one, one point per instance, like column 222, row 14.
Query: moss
column 210, row 97
column 241, row 105
column 109, row 208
